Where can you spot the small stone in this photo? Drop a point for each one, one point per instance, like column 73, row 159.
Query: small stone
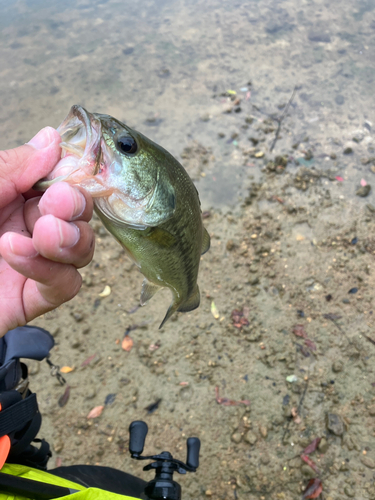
column 335, row 424
column 339, row 99
column 307, row 471
column 90, row 392
column 230, row 245
column 254, row 281
column 363, row 191
column 77, row 316
column 368, row 125
column 236, row 437
column 319, row 36
column 54, row 331
column 349, row 491
column 75, row 344
column 33, row 366
column 58, row 445
column 323, row 446
column 251, row 438
column 337, row 366
column 368, row 462
column 259, row 154
column 263, row 431
column 371, row 410
column 208, row 493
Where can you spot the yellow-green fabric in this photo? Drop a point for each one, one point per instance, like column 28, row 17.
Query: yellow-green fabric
column 45, row 477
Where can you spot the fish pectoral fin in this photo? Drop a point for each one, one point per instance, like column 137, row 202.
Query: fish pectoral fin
column 161, row 237
column 148, row 291
column 161, row 205
column 206, row 241
column 192, row 302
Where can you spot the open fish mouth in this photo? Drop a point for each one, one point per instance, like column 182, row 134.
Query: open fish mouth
column 80, row 149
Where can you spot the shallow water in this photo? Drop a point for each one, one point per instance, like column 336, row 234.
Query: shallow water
column 281, row 244
column 162, row 67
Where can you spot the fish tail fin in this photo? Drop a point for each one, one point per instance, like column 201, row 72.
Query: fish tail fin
column 188, row 305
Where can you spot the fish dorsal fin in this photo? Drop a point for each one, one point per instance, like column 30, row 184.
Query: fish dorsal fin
column 206, row 241
column 192, row 302
column 148, row 290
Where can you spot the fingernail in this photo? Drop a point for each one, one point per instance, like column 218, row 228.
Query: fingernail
column 42, row 139
column 79, row 204
column 70, row 237
column 22, row 249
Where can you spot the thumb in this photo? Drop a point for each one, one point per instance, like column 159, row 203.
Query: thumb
column 22, row 167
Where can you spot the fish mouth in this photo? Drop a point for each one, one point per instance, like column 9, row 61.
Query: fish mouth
column 80, row 139
column 80, row 149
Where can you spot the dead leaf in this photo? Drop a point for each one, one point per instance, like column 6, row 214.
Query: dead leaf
column 65, row 397
column 127, row 343
column 66, row 369
column 95, row 412
column 313, row 489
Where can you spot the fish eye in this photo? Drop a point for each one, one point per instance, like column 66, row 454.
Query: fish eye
column 127, row 145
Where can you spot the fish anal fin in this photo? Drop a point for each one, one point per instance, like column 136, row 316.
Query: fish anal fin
column 206, row 241
column 148, row 290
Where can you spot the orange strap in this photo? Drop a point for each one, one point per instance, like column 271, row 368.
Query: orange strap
column 4, row 448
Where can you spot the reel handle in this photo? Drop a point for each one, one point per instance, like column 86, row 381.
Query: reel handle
column 137, row 431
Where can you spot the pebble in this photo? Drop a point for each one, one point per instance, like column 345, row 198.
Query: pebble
column 263, row 431
column 363, row 191
column 371, row 410
column 54, row 331
column 77, row 316
column 90, row 392
column 236, row 437
column 348, row 151
column 337, row 366
column 307, row 471
column 339, row 99
column 349, row 491
column 75, row 344
column 58, row 445
column 251, row 438
column 323, row 446
column 231, row 245
column 318, row 36
column 335, row 424
column 368, row 462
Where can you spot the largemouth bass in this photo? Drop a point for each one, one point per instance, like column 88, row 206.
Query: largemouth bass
column 143, row 196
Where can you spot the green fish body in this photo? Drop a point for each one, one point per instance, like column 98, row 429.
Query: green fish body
column 143, row 196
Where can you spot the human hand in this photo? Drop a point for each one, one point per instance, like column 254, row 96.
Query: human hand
column 40, row 247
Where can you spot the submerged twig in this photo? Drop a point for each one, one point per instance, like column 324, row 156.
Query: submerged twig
column 281, row 118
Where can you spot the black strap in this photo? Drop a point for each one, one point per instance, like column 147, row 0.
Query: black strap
column 32, row 489
column 18, row 415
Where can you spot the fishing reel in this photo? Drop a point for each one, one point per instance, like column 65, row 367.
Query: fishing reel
column 162, row 487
